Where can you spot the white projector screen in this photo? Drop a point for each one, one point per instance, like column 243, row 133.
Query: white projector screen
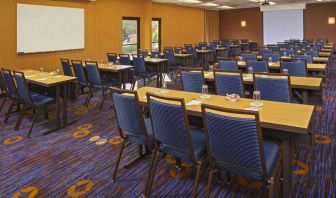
column 48, row 28
column 282, row 25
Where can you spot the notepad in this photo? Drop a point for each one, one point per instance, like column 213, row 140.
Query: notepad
column 194, row 103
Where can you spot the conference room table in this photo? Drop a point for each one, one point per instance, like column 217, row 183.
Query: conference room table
column 59, row 82
column 222, row 52
column 324, row 54
column 185, row 59
column 160, row 64
column 315, row 59
column 205, row 56
column 320, row 68
column 305, row 84
column 288, row 121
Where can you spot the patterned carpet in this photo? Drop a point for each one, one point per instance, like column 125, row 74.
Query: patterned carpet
column 73, row 162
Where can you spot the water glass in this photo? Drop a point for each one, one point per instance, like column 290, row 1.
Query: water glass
column 256, row 96
column 164, row 87
column 58, row 72
column 270, row 59
column 250, row 71
column 285, row 71
column 156, row 56
column 285, row 54
column 41, row 69
column 211, row 68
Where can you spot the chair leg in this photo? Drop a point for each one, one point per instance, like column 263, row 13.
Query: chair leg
column 46, row 113
column 270, row 188
column 197, row 177
column 118, row 160
column 9, row 111
column 33, row 122
column 211, row 172
column 90, row 94
column 151, row 174
column 18, row 123
column 103, row 100
column 3, row 103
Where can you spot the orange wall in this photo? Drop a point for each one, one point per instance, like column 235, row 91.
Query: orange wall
column 179, row 24
column 211, row 25
column 102, row 29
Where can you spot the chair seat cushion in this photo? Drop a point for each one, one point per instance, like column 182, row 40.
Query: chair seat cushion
column 271, row 151
column 199, row 146
column 42, row 100
column 140, row 139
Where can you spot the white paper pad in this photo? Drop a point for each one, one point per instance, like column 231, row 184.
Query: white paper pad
column 194, row 103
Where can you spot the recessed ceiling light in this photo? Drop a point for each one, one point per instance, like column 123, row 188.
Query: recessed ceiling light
column 210, row 4
column 190, row 1
column 225, row 7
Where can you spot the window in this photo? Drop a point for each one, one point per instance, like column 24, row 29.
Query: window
column 156, row 34
column 130, row 34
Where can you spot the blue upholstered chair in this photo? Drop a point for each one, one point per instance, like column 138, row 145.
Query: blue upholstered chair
column 192, row 79
column 229, row 82
column 174, row 136
column 228, row 65
column 168, row 49
column 196, row 60
column 79, row 72
column 155, row 54
column 307, row 57
column 235, row 145
column 314, row 52
column 263, row 51
column 37, row 102
column 274, row 57
column 274, row 87
column 112, row 58
column 249, row 56
column 66, row 67
column 96, row 83
column 178, row 50
column 3, row 91
column 286, row 52
column 140, row 69
column 213, row 52
column 173, row 66
column 295, row 68
column 125, row 59
column 132, row 126
column 258, row 66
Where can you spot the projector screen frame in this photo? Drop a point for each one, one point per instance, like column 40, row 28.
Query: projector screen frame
column 80, row 10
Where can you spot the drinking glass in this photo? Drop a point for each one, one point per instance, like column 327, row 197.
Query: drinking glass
column 41, row 69
column 164, row 87
column 256, row 99
column 250, row 71
column 58, row 72
column 156, row 56
column 285, row 54
column 270, row 59
column 211, row 68
column 205, row 91
column 285, row 71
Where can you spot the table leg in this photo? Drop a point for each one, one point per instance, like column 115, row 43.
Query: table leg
column 65, row 112
column 287, row 166
column 58, row 107
column 305, row 96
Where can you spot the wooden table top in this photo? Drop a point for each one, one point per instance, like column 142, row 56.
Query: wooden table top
column 203, row 51
column 326, row 50
column 182, row 55
column 297, row 82
column 221, row 48
column 315, row 59
column 276, row 65
column 112, row 68
column 274, row 115
column 46, row 79
column 155, row 60
column 324, row 54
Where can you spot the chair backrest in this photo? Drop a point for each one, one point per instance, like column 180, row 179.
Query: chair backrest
column 155, row 54
column 192, row 79
column 258, row 66
column 192, row 51
column 274, row 57
column 22, row 87
column 139, row 64
column 112, row 57
column 229, row 82
column 169, row 49
column 295, row 68
column 125, row 59
column 66, row 67
column 263, row 51
column 286, row 52
column 249, row 56
column 2, row 83
column 170, row 57
column 93, row 73
column 178, row 50
column 79, row 70
column 307, row 57
column 234, row 141
column 274, row 87
column 170, row 124
column 314, row 52
column 129, row 117
column 228, row 65
column 10, row 84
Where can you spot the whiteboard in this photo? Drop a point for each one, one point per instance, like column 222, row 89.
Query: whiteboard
column 49, row 28
column 282, row 25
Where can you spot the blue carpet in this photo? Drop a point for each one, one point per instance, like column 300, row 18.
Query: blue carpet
column 67, row 164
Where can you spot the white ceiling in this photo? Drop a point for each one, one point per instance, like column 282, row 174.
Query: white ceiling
column 235, row 4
